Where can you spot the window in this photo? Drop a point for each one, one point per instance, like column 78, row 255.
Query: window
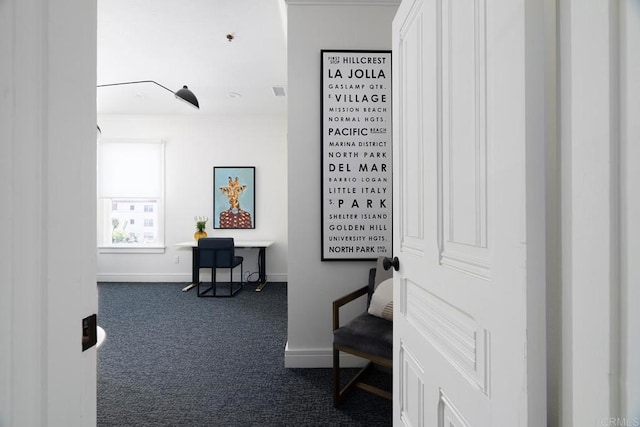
column 130, row 195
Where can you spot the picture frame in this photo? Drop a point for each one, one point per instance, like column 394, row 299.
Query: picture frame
column 234, row 194
column 356, row 155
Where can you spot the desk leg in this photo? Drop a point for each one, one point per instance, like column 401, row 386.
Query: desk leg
column 262, row 269
column 194, row 270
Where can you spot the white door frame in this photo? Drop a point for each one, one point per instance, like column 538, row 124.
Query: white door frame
column 629, row 40
column 588, row 144
column 47, row 188
column 599, row 94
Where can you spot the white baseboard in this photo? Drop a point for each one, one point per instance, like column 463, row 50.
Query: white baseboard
column 318, row 358
column 168, row 277
column 143, row 277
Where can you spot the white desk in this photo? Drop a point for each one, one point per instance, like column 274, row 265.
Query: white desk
column 261, row 245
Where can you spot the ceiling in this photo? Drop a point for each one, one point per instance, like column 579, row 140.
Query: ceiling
column 184, row 42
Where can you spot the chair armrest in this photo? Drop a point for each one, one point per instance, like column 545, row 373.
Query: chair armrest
column 344, row 300
column 372, row 284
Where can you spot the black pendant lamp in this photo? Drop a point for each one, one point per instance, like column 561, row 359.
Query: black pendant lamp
column 184, row 94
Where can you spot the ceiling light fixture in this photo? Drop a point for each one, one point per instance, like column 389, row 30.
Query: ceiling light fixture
column 184, row 94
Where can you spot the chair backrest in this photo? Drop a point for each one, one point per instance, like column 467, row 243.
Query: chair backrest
column 216, row 252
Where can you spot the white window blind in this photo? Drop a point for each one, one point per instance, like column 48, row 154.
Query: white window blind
column 130, row 168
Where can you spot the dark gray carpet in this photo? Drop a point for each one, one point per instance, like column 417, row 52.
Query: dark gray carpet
column 172, row 359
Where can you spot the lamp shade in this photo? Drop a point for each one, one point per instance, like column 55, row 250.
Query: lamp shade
column 186, row 95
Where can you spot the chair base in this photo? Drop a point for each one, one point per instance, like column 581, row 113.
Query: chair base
column 340, row 392
column 212, row 291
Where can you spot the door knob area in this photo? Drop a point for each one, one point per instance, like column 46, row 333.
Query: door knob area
column 388, row 263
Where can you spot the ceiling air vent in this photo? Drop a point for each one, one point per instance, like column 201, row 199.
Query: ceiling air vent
column 278, row 91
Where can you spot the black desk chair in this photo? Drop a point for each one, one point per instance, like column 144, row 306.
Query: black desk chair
column 214, row 253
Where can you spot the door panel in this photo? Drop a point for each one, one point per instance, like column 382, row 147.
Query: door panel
column 459, row 339
column 462, row 175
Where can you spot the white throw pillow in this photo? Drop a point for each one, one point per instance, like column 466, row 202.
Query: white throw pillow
column 382, row 300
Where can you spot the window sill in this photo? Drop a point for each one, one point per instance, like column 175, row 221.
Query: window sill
column 131, row 250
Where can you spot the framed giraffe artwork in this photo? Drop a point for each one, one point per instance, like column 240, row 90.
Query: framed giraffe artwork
column 234, row 197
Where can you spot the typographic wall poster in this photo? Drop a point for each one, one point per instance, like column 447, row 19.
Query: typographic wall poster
column 356, row 155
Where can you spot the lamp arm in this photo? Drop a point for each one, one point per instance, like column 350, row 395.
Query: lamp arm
column 184, row 94
column 139, row 81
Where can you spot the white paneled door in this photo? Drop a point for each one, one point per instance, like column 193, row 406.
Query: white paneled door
column 469, row 213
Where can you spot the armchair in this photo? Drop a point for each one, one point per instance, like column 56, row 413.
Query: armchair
column 367, row 336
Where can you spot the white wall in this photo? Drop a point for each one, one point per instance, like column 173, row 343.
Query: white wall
column 194, row 145
column 630, row 203
column 314, row 284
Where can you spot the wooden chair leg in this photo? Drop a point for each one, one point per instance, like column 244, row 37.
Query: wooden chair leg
column 356, row 381
column 336, row 377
